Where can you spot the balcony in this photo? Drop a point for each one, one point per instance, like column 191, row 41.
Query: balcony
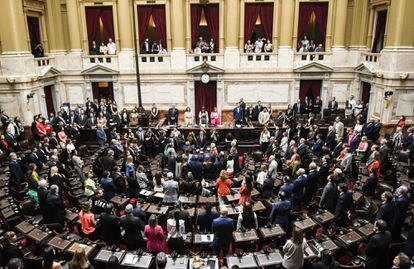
column 261, row 60
column 106, row 60
column 304, row 58
column 44, row 61
column 214, row 59
column 372, row 58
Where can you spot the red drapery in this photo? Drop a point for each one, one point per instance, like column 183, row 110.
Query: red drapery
column 195, row 22
column 205, row 95
column 379, row 31
column 49, row 100
column 34, row 31
column 310, row 88
column 158, row 13
column 144, row 14
column 252, row 11
column 93, row 14
column 212, row 17
column 366, row 88
column 305, row 12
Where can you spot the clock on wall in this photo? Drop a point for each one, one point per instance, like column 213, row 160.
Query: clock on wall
column 205, row 78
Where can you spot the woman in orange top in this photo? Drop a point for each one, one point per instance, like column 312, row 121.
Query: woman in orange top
column 246, row 191
column 223, row 184
column 401, row 122
column 87, row 220
column 375, row 163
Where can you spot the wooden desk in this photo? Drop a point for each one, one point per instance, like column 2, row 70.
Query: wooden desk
column 24, row 227
column 8, row 213
column 119, row 201
column 39, row 236
column 146, row 193
column 104, row 255
column 154, row 209
column 258, row 206
column 329, row 245
column 323, row 218
column 188, row 199
column 278, row 183
column 59, row 244
column 255, row 193
column 350, row 238
column 204, row 199
column 233, row 197
column 208, row 263
column 357, row 196
column 310, row 252
column 71, row 216
column 2, row 193
column 132, row 260
column 245, row 262
column 177, row 263
column 200, row 239
column 271, row 259
column 245, row 237
column 274, row 231
column 159, row 195
column 4, row 203
column 88, row 248
column 305, row 224
column 367, row 229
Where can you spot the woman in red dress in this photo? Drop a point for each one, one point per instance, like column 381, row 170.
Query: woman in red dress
column 375, row 163
column 246, row 191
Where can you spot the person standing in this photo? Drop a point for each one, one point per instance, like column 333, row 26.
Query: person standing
column 155, row 235
column 111, row 47
column 294, row 250
column 223, row 231
column 133, row 228
column 377, row 250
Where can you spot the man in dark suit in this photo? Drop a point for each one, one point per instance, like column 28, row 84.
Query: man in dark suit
column 56, row 208
column 196, row 167
column 205, row 218
column 146, row 47
column 333, row 105
column 91, row 121
column 369, row 129
column 133, row 227
column 82, row 119
column 330, row 138
column 72, row 118
column 338, row 148
column 201, row 140
column 15, row 168
column 4, row 119
column 109, row 225
column 388, row 211
column 302, row 148
column 238, row 115
column 376, row 130
column 318, row 146
column 281, row 211
column 324, row 171
column 42, row 193
column 256, row 110
column 317, row 105
column 311, row 183
column 329, row 196
column 355, row 142
column 298, row 107
column 223, row 233
column 378, row 247
column 298, row 190
column 218, row 165
column 172, row 115
column 108, row 162
column 34, row 158
column 344, row 204
column 101, row 135
column 243, row 107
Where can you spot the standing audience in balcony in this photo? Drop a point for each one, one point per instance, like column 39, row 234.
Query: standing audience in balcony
column 249, row 47
column 103, row 50
column 111, row 47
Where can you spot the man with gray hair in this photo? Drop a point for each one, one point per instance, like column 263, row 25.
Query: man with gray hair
column 170, row 187
column 298, row 190
column 222, row 228
column 101, row 135
column 133, row 228
column 272, row 170
column 42, row 193
column 55, row 207
column 160, row 260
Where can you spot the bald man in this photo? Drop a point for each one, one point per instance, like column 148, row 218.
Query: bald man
column 222, row 228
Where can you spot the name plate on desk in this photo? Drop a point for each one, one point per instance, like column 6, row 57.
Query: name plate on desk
column 24, row 227
column 159, row 195
column 59, row 243
column 274, row 231
column 88, row 248
column 71, row 216
column 305, row 224
column 329, row 245
column 273, row 258
column 357, row 196
column 247, row 261
column 154, row 209
column 146, row 193
column 350, row 238
column 177, row 263
column 233, row 197
column 135, row 261
column 120, row 201
column 204, row 199
column 324, row 217
column 245, row 237
column 208, row 263
column 187, row 199
column 38, row 235
column 104, row 255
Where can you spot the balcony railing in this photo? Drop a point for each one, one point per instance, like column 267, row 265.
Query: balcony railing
column 154, row 58
column 44, row 61
column 312, row 56
column 108, row 60
column 371, row 57
column 215, row 59
column 262, row 60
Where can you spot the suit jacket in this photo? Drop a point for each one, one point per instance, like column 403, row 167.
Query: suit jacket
column 201, row 141
column 330, row 139
column 16, row 170
column 328, row 198
column 343, row 205
column 196, row 168
column 91, row 122
column 146, row 48
column 280, row 213
column 56, row 209
column 389, row 213
column 377, row 251
column 298, row 109
column 223, row 230
column 354, row 143
column 132, row 227
column 338, row 148
column 333, row 105
column 238, row 114
column 173, row 115
column 317, row 147
column 101, row 135
column 82, row 120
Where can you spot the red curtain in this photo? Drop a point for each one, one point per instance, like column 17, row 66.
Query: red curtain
column 205, row 95
column 92, row 22
column 366, row 88
column 49, row 100
column 212, row 17
column 305, row 12
column 266, row 16
column 144, row 14
column 195, row 22
column 34, row 31
column 379, row 31
column 158, row 13
column 310, row 88
column 251, row 11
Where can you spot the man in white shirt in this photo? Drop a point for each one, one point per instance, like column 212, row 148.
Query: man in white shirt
column 111, row 47
column 258, row 46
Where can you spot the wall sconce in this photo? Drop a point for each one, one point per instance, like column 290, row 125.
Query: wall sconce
column 29, row 96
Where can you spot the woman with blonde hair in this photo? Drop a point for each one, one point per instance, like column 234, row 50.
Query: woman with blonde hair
column 188, row 117
column 80, row 260
column 223, row 184
column 90, row 185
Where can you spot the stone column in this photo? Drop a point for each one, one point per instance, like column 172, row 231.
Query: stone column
column 400, row 34
column 125, row 24
column 178, row 60
column 231, row 53
column 74, row 28
column 340, row 24
column 286, row 33
column 13, row 28
column 359, row 21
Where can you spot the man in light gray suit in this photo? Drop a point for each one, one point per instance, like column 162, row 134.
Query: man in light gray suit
column 170, row 187
column 272, row 171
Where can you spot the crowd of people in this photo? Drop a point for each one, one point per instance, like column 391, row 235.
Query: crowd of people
column 153, row 48
column 108, row 49
column 319, row 171
column 203, row 46
column 309, row 46
column 261, row 45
